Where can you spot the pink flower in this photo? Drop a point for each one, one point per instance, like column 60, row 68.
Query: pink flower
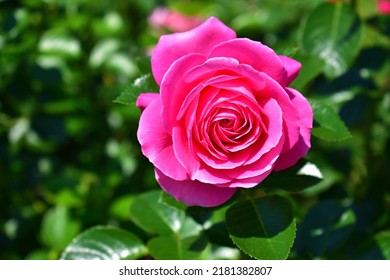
column 174, row 21
column 224, row 118
column 384, row 7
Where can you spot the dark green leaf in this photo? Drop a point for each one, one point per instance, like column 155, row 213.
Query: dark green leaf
column 326, row 227
column 293, row 180
column 144, row 64
column 334, row 33
column 144, row 84
column 104, row 243
column 263, row 228
column 217, row 234
column 378, row 248
column 331, row 127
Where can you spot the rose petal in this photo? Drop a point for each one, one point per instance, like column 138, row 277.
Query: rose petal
column 156, row 143
column 301, row 148
column 194, row 193
column 290, row 116
column 292, row 67
column 199, row 40
column 183, row 151
column 273, row 138
column 250, row 175
column 236, row 140
column 174, row 91
column 226, row 66
column 255, row 54
column 144, row 99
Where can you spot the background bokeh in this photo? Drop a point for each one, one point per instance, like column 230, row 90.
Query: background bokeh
column 69, row 157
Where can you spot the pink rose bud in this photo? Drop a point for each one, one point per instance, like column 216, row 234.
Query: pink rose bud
column 384, row 7
column 225, row 117
column 174, row 21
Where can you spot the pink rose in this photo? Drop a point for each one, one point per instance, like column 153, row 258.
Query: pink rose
column 174, row 21
column 224, row 118
column 384, row 7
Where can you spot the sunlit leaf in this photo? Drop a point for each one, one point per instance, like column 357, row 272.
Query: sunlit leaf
column 331, row 127
column 60, row 44
column 102, row 51
column 334, row 33
column 130, row 94
column 171, row 201
column 104, row 243
column 122, row 63
column 154, row 216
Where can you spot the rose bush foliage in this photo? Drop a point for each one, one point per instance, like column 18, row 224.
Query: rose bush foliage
column 225, row 117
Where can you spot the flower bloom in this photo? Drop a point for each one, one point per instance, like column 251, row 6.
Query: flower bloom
column 225, row 116
column 384, row 7
column 174, row 21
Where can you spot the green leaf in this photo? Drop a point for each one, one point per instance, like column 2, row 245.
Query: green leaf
column 367, row 8
column 312, row 66
column 263, row 228
column 293, row 179
column 60, row 44
column 104, row 243
column 122, row 63
column 153, row 216
column 171, row 201
column 110, row 24
column 58, row 228
column 334, row 33
column 383, row 241
column 180, row 237
column 216, row 227
column 102, row 51
column 143, row 84
column 331, row 127
column 377, row 248
column 174, row 248
column 326, row 227
column 290, row 52
column 144, row 64
column 120, row 208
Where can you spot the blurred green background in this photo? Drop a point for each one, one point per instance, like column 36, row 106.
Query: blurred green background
column 69, row 157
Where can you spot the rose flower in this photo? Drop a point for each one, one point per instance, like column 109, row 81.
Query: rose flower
column 225, row 117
